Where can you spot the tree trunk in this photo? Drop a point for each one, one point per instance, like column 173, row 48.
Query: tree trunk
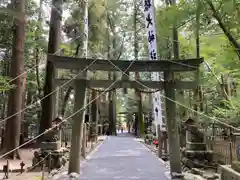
column 65, row 100
column 29, row 97
column 197, row 91
column 37, row 52
column 15, row 94
column 23, row 113
column 48, row 104
column 37, row 72
column 3, row 107
column 138, row 95
column 37, row 57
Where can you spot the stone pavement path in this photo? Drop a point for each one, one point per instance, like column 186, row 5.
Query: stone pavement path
column 122, row 158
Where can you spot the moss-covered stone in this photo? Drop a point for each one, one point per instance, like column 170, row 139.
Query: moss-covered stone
column 196, row 146
column 208, row 155
column 197, row 171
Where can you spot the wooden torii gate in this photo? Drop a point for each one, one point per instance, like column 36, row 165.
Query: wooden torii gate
column 169, row 85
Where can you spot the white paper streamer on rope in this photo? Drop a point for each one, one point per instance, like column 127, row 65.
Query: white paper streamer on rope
column 152, row 49
column 85, row 29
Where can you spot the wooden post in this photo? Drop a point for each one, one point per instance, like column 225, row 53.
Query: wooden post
column 77, row 128
column 84, row 140
column 43, row 175
column 235, row 138
column 110, row 113
column 49, row 163
column 231, row 145
column 172, row 125
column 7, row 170
column 114, row 120
column 159, row 141
column 94, row 115
column 97, row 119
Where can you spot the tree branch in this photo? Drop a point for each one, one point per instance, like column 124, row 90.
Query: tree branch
column 110, row 23
column 230, row 37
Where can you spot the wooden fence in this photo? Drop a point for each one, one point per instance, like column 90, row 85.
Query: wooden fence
column 221, row 139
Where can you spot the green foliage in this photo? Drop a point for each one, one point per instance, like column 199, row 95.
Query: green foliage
column 34, row 38
column 215, row 47
column 4, row 84
column 97, row 25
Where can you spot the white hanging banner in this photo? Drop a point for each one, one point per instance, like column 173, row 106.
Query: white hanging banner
column 152, row 49
column 85, row 29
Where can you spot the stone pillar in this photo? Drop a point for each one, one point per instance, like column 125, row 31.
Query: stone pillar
column 194, row 138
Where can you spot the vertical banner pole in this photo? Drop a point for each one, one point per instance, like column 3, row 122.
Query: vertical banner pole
column 149, row 17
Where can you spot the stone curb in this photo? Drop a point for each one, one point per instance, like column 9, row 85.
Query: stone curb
column 152, row 151
column 90, row 153
column 187, row 176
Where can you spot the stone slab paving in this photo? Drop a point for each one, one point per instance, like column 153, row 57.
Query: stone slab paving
column 122, row 158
